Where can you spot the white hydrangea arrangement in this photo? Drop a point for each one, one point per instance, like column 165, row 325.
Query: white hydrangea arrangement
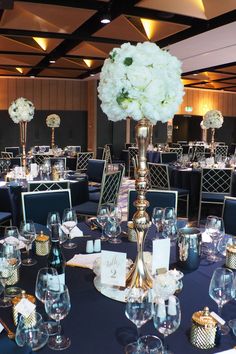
column 213, row 119
column 53, row 121
column 140, row 81
column 21, row 110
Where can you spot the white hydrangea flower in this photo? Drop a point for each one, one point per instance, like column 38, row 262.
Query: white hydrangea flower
column 140, row 81
column 53, row 121
column 213, row 119
column 21, row 110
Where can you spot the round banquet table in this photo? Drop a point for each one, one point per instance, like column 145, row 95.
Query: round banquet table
column 97, row 324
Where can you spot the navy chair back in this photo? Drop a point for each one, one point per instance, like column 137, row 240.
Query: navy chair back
column 37, row 205
column 95, row 170
column 15, row 150
column 156, row 198
column 39, row 186
column 229, row 215
column 167, row 157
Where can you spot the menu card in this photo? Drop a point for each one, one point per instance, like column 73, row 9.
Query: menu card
column 113, row 268
column 161, row 255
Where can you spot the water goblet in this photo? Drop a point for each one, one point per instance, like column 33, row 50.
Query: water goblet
column 69, row 222
column 6, row 271
column 11, row 235
column 53, row 218
column 47, row 279
column 116, row 212
column 14, row 257
column 221, row 290
column 169, row 223
column 102, row 216
column 34, row 333
column 167, row 317
column 113, row 230
column 157, row 219
column 214, row 228
column 57, row 305
column 138, row 307
column 150, row 344
column 28, row 234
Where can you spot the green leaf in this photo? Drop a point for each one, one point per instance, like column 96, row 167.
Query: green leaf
column 128, row 61
column 112, row 56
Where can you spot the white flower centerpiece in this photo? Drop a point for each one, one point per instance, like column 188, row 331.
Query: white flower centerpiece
column 142, row 82
column 21, row 111
column 213, row 119
column 53, row 121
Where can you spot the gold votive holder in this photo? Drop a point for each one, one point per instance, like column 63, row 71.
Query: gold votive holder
column 42, row 245
column 14, row 278
column 31, row 319
column 230, row 261
column 132, row 237
column 203, row 330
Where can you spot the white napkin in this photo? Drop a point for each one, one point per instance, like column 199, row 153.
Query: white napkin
column 13, row 241
column 83, row 260
column 230, row 351
column 2, row 183
column 206, row 237
column 75, row 232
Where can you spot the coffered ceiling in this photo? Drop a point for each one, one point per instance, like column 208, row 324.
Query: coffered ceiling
column 65, row 38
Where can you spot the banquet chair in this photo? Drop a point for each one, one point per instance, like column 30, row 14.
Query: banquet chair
column 40, row 158
column 6, row 155
column 221, row 150
column 128, row 145
column 156, row 198
column 5, row 165
column 82, row 161
column 132, row 153
column 168, row 157
column 215, row 184
column 15, row 150
column 106, row 155
column 109, row 194
column 57, row 161
column 15, row 161
column 229, row 215
column 37, row 205
column 95, row 171
column 159, row 179
column 196, row 152
column 6, row 206
column 76, row 148
column 39, row 186
column 178, row 150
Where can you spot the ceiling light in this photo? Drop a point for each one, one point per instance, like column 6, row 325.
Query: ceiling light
column 195, row 74
column 106, row 18
column 92, row 74
column 32, row 76
column 20, row 70
column 88, row 62
column 42, row 42
column 52, row 61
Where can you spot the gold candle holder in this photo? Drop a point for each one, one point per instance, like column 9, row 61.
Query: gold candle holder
column 31, row 319
column 203, row 330
column 42, row 245
column 230, row 261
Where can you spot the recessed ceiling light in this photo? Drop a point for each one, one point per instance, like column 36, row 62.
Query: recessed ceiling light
column 92, row 74
column 52, row 61
column 195, row 74
column 106, row 18
column 32, row 76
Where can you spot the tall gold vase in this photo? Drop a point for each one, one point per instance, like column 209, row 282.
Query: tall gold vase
column 212, row 146
column 23, row 135
column 53, row 138
column 139, row 276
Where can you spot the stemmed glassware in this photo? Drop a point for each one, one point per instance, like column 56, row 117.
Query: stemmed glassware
column 47, row 280
column 102, row 217
column 221, row 290
column 169, row 223
column 14, row 258
column 11, row 235
column 6, row 271
column 113, row 230
column 69, row 221
column 167, row 317
column 215, row 229
column 57, row 305
column 116, row 212
column 53, row 218
column 157, row 219
column 138, row 307
column 28, row 234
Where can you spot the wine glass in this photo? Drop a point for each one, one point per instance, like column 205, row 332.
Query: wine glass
column 6, row 271
column 150, row 344
column 157, row 219
column 14, row 256
column 31, row 333
column 116, row 212
column 138, row 307
column 214, row 228
column 102, row 216
column 47, row 279
column 11, row 235
column 221, row 290
column 113, row 230
column 57, row 305
column 28, row 234
column 169, row 223
column 53, row 218
column 167, row 317
column 69, row 221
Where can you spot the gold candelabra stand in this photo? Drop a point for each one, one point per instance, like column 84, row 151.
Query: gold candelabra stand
column 53, row 138
column 23, row 135
column 212, row 147
column 138, row 275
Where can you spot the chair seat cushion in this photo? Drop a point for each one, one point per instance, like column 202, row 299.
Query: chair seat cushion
column 87, row 208
column 94, row 197
column 181, row 191
column 5, row 216
column 213, row 197
column 94, row 189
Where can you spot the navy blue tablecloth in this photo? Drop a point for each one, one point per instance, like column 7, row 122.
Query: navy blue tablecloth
column 98, row 325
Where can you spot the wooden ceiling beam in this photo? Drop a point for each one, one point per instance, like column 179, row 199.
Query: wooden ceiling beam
column 81, row 4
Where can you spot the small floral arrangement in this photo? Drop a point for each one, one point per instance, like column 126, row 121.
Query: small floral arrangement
column 53, row 121
column 140, row 81
column 21, row 110
column 213, row 119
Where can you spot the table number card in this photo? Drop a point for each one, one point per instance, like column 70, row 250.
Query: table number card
column 113, row 268
column 161, row 254
column 25, row 307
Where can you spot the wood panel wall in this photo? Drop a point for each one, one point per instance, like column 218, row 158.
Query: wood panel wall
column 46, row 94
column 204, row 100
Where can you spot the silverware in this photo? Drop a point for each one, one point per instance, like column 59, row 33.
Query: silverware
column 10, row 334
